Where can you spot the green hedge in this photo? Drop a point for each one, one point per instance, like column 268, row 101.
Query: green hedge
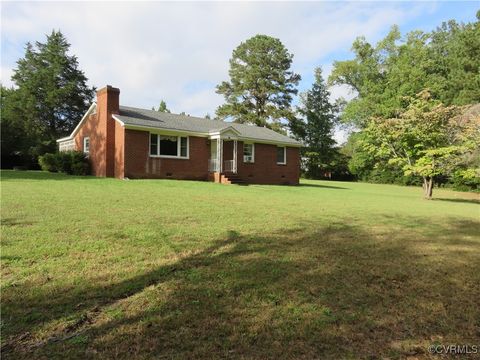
column 69, row 162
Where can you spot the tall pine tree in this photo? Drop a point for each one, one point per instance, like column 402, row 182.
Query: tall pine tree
column 51, row 92
column 315, row 129
column 261, row 84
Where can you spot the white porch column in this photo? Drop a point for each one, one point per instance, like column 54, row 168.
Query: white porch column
column 219, row 154
column 235, row 156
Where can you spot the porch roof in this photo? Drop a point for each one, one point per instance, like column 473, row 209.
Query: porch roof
column 143, row 118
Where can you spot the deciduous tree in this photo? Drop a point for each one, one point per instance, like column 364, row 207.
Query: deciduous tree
column 426, row 140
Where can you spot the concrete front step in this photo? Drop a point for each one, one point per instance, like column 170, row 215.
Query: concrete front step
column 232, row 179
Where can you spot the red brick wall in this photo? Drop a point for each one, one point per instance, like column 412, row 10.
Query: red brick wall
column 107, row 104
column 138, row 163
column 92, row 129
column 119, row 150
column 100, row 128
column 265, row 169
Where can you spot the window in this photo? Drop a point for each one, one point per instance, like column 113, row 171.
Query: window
column 183, row 147
column 248, row 153
column 281, row 155
column 86, row 145
column 168, row 146
column 153, row 144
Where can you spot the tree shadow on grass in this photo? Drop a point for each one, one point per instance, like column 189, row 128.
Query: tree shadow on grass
column 15, row 222
column 311, row 291
column 462, row 201
column 33, row 175
column 323, row 186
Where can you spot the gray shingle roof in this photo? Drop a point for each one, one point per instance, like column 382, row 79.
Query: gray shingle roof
column 154, row 119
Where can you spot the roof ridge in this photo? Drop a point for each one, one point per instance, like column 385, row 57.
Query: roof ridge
column 199, row 117
column 167, row 113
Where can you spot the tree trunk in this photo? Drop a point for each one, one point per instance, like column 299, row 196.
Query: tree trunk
column 427, row 187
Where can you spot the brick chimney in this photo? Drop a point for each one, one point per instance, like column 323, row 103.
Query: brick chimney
column 108, row 103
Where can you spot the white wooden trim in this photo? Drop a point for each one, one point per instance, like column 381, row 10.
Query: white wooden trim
column 156, row 130
column 179, row 147
column 118, row 120
column 221, row 154
column 235, row 160
column 219, row 132
column 170, row 157
column 268, row 142
column 85, row 139
column 253, row 152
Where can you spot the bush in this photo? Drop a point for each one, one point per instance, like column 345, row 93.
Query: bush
column 48, row 162
column 80, row 168
column 69, row 162
column 466, row 180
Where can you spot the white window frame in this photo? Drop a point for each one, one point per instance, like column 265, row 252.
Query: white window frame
column 253, row 153
column 85, row 140
column 179, row 147
column 284, row 155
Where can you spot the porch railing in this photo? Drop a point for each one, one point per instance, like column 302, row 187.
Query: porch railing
column 229, row 166
column 213, row 165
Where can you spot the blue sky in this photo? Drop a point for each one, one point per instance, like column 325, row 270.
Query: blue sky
column 179, row 51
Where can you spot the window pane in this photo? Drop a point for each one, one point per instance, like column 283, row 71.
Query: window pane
column 280, row 155
column 153, row 144
column 183, row 146
column 168, row 145
column 247, row 152
column 86, row 145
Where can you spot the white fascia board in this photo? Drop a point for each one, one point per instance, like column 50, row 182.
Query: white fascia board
column 67, row 138
column 269, row 142
column 228, row 128
column 156, row 130
column 118, row 120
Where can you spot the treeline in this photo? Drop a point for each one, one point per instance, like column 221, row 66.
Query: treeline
column 403, row 82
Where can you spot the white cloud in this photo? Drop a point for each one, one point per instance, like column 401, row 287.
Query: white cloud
column 5, row 74
column 156, row 50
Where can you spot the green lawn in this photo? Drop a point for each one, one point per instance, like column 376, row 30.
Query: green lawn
column 103, row 268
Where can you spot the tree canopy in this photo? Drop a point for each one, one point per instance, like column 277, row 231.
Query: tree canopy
column 428, row 139
column 49, row 98
column 315, row 128
column 261, row 83
column 163, row 107
column 442, row 65
column 446, row 61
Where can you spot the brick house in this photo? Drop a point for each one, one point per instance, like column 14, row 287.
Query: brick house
column 127, row 142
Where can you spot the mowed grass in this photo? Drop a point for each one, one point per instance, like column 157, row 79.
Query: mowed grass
column 103, row 268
